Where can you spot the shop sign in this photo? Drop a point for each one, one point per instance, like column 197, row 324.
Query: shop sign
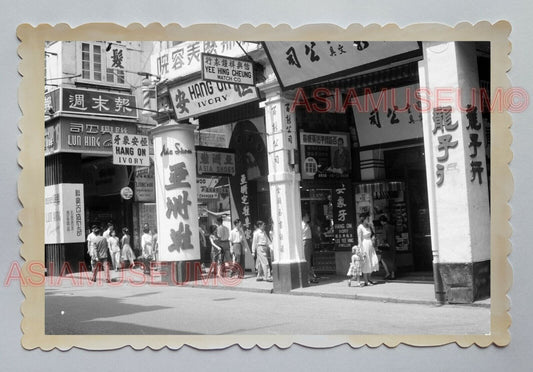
column 85, row 136
column 388, row 116
column 176, row 193
column 343, row 221
column 215, row 161
column 52, row 102
column 145, row 184
column 200, row 97
column 213, row 137
column 207, row 187
column 97, row 103
column 115, row 56
column 325, row 155
column 126, row 193
column 298, row 63
column 227, row 70
column 184, row 59
column 131, row 150
column 64, row 213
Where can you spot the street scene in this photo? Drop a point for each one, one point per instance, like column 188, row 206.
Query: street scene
column 267, row 187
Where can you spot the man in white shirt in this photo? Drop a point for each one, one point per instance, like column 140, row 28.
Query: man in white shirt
column 223, row 241
column 91, row 247
column 237, row 241
column 307, row 238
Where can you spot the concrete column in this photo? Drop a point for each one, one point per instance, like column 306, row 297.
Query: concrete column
column 372, row 165
column 456, row 171
column 289, row 265
column 176, row 201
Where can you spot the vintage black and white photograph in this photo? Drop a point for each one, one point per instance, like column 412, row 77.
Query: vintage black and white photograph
column 269, row 188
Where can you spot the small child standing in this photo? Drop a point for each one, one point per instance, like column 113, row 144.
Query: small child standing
column 355, row 270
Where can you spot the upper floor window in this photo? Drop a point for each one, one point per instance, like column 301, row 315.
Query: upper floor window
column 94, row 66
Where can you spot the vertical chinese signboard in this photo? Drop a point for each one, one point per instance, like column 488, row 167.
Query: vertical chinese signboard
column 344, row 225
column 176, row 193
column 64, row 213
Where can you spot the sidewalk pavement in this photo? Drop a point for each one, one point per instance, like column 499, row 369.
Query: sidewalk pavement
column 401, row 290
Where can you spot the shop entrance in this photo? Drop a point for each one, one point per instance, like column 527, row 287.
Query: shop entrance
column 408, row 165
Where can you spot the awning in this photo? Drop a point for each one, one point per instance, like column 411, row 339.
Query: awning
column 380, row 187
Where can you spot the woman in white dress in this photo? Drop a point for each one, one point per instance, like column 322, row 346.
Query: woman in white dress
column 364, row 240
column 114, row 249
column 127, row 252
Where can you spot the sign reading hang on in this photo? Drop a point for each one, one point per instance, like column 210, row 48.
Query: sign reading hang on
column 131, row 149
column 227, row 70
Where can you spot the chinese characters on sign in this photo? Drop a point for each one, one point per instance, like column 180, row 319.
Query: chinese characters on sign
column 115, row 56
column 92, row 102
column 201, row 97
column 245, row 207
column 442, row 118
column 131, row 150
column 343, row 221
column 176, row 194
column 325, row 155
column 184, row 58
column 476, row 165
column 227, row 70
column 298, row 62
column 64, row 211
column 215, row 162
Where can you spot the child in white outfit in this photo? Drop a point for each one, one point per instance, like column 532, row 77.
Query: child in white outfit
column 355, row 270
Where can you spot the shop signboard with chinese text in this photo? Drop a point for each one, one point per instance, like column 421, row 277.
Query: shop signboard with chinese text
column 145, row 184
column 87, row 136
column 176, row 192
column 97, row 103
column 215, row 161
column 184, row 59
column 390, row 115
column 201, row 97
column 115, row 56
column 299, row 62
column 344, row 224
column 227, row 70
column 131, row 150
column 325, row 155
column 64, row 213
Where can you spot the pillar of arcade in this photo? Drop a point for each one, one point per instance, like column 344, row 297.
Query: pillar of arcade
column 456, row 171
column 289, row 264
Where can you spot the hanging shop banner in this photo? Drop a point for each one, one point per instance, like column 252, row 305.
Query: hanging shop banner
column 176, row 192
column 299, row 62
column 227, row 70
column 215, row 161
column 131, row 150
column 388, row 116
column 325, row 155
column 201, row 97
column 344, row 225
column 145, row 184
column 52, row 103
column 185, row 57
column 87, row 136
column 115, row 56
column 207, row 187
column 64, row 213
column 97, row 103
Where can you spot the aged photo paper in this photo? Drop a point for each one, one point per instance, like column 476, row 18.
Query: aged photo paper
column 211, row 186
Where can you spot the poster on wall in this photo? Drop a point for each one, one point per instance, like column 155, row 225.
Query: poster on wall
column 325, row 155
column 64, row 213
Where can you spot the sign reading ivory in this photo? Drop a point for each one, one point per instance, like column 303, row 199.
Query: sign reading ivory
column 131, row 150
column 200, row 97
column 227, row 70
column 296, row 62
column 176, row 192
column 64, row 213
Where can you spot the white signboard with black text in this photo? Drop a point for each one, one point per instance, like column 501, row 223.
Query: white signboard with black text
column 227, row 70
column 131, row 149
column 64, row 214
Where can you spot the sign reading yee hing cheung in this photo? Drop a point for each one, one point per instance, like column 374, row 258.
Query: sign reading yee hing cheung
column 227, row 70
column 176, row 193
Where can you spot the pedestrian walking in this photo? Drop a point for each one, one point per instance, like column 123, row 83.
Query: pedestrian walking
column 127, row 251
column 238, row 243
column 217, row 253
column 114, row 249
column 146, row 243
column 100, row 258
column 223, row 241
column 307, row 237
column 388, row 248
column 90, row 243
column 365, row 244
column 261, row 249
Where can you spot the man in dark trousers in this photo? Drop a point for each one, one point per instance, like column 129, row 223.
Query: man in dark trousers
column 100, row 259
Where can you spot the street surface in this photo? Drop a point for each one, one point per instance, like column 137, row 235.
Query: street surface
column 154, row 309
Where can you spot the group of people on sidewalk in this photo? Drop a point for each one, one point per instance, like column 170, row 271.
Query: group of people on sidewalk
column 105, row 248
